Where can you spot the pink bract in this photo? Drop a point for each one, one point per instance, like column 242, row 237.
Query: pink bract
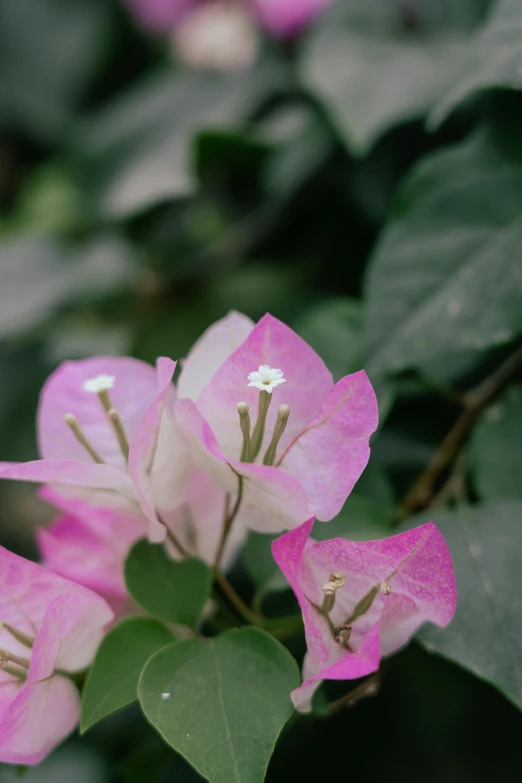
column 325, row 446
column 88, row 545
column 417, row 584
column 152, row 477
column 67, row 622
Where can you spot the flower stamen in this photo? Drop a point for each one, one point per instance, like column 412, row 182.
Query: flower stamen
column 280, row 426
column 73, row 424
column 244, row 423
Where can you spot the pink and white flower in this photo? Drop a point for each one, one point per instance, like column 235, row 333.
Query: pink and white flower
column 315, row 440
column 379, row 592
column 106, row 434
column 49, row 628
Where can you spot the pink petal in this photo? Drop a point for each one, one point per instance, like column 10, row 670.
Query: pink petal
column 307, row 383
column 117, row 529
column 156, row 459
column 350, row 667
column 135, row 388
column 32, row 599
column 330, row 454
column 285, row 18
column 66, row 472
column 278, row 497
column 208, row 354
column 39, row 717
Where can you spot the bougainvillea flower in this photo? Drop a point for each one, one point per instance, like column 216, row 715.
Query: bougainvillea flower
column 89, row 544
column 50, row 627
column 105, row 433
column 314, row 442
column 363, row 600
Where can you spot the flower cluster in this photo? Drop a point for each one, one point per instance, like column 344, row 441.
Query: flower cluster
column 254, row 432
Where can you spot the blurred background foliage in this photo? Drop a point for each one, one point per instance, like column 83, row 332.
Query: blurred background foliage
column 363, row 184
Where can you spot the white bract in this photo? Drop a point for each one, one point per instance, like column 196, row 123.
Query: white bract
column 266, row 378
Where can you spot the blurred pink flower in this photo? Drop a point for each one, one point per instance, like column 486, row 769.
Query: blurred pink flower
column 325, row 445
column 88, row 545
column 287, row 18
column 381, row 591
column 128, row 456
column 49, row 628
column 281, row 18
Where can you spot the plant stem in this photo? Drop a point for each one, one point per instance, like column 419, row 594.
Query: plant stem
column 422, row 492
column 228, row 522
column 370, row 687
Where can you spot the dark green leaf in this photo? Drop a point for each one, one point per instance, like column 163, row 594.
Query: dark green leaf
column 37, row 37
column 174, row 591
column 485, row 635
column 137, row 151
column 373, row 71
column 495, row 448
column 221, row 702
column 361, row 519
column 113, row 680
column 445, row 277
column 334, row 328
column 494, row 59
column 265, row 574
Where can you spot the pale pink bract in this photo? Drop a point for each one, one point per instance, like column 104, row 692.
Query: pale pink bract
column 416, row 583
column 88, row 544
column 151, row 479
column 40, row 705
column 325, row 446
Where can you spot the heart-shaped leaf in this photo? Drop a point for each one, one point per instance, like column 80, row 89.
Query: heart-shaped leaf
column 221, row 702
column 113, row 679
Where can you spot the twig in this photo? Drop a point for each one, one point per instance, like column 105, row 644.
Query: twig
column 227, row 523
column 369, row 687
column 223, row 587
column 421, row 494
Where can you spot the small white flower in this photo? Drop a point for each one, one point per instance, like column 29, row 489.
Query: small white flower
column 266, row 378
column 99, row 384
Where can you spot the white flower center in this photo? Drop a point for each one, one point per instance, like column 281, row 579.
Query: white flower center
column 266, row 378
column 99, row 384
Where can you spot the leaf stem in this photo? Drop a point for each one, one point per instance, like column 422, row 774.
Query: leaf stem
column 228, row 522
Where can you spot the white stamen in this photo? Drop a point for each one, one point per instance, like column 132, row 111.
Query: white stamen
column 165, row 696
column 266, row 378
column 99, row 384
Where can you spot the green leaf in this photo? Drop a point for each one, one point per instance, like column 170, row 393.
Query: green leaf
column 261, row 566
column 136, row 152
column 174, row 591
column 485, row 636
column 360, row 519
column 372, row 71
column 113, row 680
column 334, row 328
column 494, row 60
column 221, row 702
column 37, row 93
column 38, row 275
column 445, row 277
column 495, row 448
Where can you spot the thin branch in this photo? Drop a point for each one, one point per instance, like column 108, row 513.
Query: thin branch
column 370, row 687
column 421, row 494
column 228, row 522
